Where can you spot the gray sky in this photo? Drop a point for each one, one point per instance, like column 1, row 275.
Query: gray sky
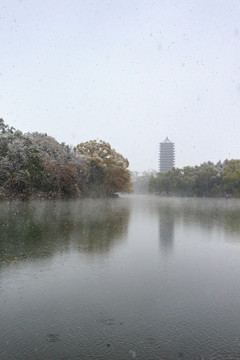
column 130, row 72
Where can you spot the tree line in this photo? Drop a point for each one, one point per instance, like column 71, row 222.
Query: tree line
column 208, row 179
column 37, row 165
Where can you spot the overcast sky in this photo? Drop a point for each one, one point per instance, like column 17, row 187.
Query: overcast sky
column 129, row 72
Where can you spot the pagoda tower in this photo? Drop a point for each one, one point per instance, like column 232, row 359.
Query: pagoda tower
column 166, row 155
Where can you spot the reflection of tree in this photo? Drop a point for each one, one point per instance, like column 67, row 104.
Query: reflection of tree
column 42, row 228
column 166, row 233
column 101, row 228
column 232, row 221
column 208, row 213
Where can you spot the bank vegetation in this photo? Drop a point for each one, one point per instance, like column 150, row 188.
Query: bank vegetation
column 207, row 180
column 35, row 165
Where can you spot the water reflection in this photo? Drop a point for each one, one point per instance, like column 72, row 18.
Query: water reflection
column 210, row 214
column 123, row 303
column 214, row 213
column 166, row 230
column 36, row 229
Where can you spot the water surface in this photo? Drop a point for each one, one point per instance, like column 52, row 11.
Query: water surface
column 131, row 278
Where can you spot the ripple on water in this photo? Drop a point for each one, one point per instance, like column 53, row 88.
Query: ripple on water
column 53, row 337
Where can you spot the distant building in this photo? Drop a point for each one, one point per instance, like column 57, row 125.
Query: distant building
column 166, row 155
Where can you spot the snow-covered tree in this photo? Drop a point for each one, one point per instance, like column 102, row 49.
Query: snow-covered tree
column 108, row 170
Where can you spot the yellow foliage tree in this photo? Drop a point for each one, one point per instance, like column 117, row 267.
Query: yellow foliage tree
column 231, row 177
column 108, row 170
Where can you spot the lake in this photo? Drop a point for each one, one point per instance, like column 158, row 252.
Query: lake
column 139, row 277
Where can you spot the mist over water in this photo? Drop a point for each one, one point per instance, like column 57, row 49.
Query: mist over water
column 137, row 277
